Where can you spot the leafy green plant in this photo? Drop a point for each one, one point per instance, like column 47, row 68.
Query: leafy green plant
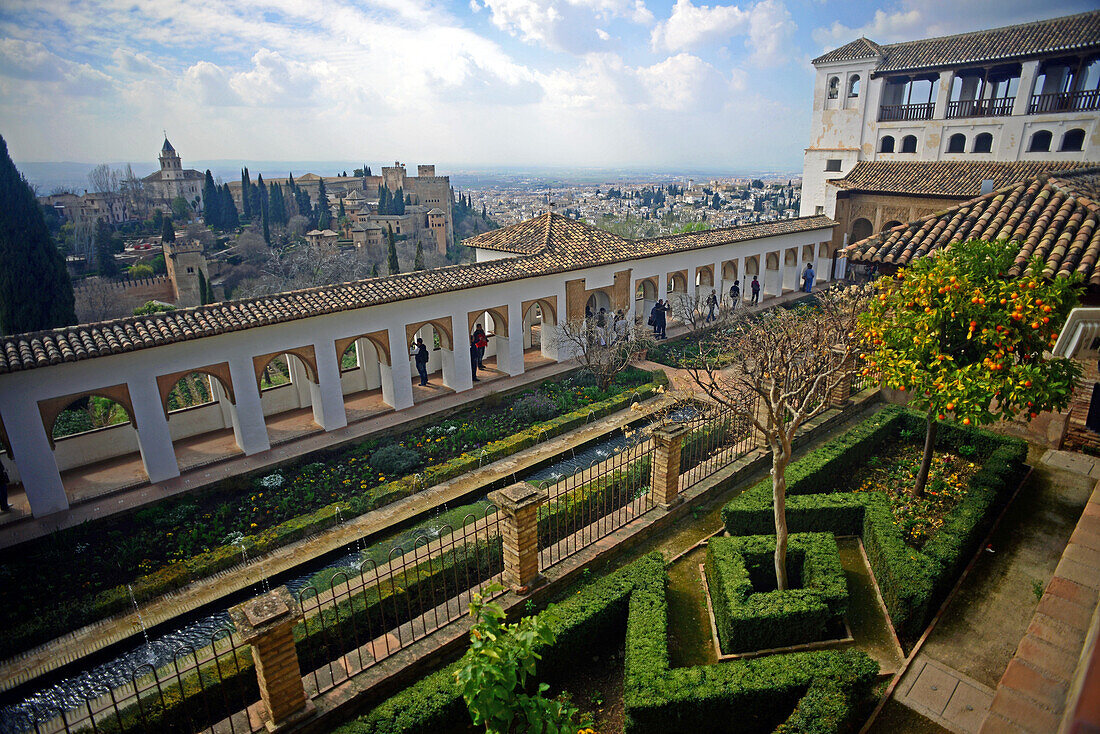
column 395, row 459
column 492, row 675
column 1037, row 589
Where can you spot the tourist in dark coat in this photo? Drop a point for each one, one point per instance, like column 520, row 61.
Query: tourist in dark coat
column 661, row 319
column 480, row 341
column 421, row 359
column 755, row 290
column 735, row 293
column 473, row 359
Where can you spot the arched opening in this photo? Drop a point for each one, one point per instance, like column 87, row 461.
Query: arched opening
column 645, row 297
column 909, row 144
column 363, row 358
column 983, row 143
column 772, row 262
column 853, row 86
column 771, row 280
column 349, row 360
column 861, row 230
column 704, row 278
column 275, row 373
column 886, row 145
column 752, row 266
column 677, row 283
column 1040, row 142
column 87, row 413
column 539, row 319
column 956, row 143
column 200, row 406
column 1073, row 140
column 833, row 89
column 890, row 225
column 597, row 301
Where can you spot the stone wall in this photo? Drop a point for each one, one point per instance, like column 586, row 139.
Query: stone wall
column 98, row 299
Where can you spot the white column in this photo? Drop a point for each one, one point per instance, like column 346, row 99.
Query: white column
column 154, row 440
column 249, row 427
column 662, row 287
column 299, row 379
column 943, row 94
column 457, row 370
column 822, row 266
column 397, row 377
column 369, row 363
column 33, row 456
column 1028, row 71
column 327, row 395
column 510, row 348
column 691, row 276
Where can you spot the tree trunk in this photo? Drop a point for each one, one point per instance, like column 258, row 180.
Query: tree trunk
column 926, row 462
column 779, row 495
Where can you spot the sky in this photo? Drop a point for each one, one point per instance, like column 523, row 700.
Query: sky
column 574, row 83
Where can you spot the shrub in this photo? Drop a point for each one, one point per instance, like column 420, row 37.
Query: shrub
column 395, row 459
column 912, row 582
column 751, row 618
column 533, row 408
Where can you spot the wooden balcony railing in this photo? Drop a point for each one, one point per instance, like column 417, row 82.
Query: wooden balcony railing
column 905, row 112
column 1088, row 99
column 996, row 107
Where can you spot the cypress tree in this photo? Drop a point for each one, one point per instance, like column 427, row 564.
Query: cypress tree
column 374, row 271
column 246, row 193
column 105, row 251
column 324, row 212
column 230, row 219
column 167, row 230
column 368, row 170
column 278, row 205
column 204, row 289
column 35, row 291
column 263, row 215
column 418, row 263
column 399, row 202
column 395, row 267
column 343, row 212
column 211, row 203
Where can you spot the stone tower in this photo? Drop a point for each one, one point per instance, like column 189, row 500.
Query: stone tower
column 171, row 167
column 437, row 225
column 184, row 262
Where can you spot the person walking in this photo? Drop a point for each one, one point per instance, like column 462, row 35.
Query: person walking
column 480, row 341
column 808, row 278
column 755, row 285
column 712, row 304
column 654, row 317
column 662, row 319
column 473, row 359
column 735, row 293
column 420, row 356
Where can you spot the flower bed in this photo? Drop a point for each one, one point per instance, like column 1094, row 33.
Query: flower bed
column 165, row 547
column 820, row 498
column 751, row 614
column 804, row 692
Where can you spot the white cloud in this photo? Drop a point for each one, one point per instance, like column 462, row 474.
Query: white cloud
column 33, row 62
column 210, row 85
column 475, row 7
column 564, row 25
column 604, row 35
column 884, row 28
column 137, row 63
column 767, row 25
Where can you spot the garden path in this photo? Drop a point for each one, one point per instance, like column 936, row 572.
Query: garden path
column 951, row 682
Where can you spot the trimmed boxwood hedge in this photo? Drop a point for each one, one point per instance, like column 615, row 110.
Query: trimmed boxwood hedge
column 203, row 565
column 801, row 693
column 912, row 582
column 750, row 620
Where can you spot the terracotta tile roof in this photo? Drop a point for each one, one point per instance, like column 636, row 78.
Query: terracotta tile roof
column 552, row 244
column 1054, row 217
column 945, row 178
column 1068, row 33
column 861, row 48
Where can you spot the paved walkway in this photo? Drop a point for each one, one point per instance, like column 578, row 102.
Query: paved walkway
column 952, row 682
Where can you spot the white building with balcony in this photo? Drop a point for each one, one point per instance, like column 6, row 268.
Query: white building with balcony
column 1021, row 93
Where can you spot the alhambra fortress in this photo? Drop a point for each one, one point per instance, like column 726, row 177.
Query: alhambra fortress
column 913, row 146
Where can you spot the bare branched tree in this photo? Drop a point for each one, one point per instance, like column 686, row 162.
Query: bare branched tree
column 783, row 364
column 103, row 180
column 604, row 349
column 692, row 311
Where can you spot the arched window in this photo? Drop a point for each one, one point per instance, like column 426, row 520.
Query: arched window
column 861, row 230
column 853, row 86
column 1073, row 140
column 834, row 87
column 909, row 144
column 956, row 143
column 983, row 143
column 1040, row 142
column 886, row 145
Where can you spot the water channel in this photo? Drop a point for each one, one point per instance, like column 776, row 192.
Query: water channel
column 159, row 648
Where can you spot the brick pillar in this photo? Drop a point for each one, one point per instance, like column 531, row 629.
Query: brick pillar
column 842, row 393
column 519, row 503
column 265, row 623
column 664, row 483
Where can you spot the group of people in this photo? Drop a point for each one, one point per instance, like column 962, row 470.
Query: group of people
column 604, row 326
column 478, row 341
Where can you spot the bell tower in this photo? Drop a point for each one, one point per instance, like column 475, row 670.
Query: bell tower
column 171, row 168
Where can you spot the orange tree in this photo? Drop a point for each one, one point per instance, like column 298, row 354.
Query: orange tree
column 966, row 342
